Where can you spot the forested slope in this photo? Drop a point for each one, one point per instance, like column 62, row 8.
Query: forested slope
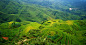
column 15, row 11
column 42, row 22
column 78, row 6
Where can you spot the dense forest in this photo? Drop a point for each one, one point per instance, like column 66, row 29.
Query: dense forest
column 42, row 22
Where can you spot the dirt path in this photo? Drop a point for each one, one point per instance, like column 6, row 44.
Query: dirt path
column 21, row 41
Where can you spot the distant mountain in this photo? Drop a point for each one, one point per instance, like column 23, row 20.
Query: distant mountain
column 62, row 5
column 17, row 11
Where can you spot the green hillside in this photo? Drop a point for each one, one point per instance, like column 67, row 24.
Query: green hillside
column 15, row 11
column 62, row 5
column 42, row 22
column 48, row 32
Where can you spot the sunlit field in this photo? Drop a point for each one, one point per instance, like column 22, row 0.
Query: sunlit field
column 42, row 22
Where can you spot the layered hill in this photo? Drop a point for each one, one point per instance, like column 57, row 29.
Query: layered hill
column 69, row 32
column 16, row 11
column 25, row 22
column 62, row 5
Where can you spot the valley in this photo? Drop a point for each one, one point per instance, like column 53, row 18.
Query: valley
column 42, row 22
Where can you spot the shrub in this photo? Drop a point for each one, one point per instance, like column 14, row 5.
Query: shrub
column 15, row 25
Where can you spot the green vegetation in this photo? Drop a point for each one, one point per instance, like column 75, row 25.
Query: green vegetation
column 62, row 5
column 42, row 22
column 16, row 11
column 53, row 32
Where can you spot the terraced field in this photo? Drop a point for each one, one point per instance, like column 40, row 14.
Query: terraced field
column 62, row 34
column 59, row 32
